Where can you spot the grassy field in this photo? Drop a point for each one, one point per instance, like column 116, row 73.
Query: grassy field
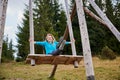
column 104, row 70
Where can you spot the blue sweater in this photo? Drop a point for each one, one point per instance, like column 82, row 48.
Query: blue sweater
column 49, row 47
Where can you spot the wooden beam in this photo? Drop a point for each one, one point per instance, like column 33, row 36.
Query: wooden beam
column 91, row 14
column 31, row 26
column 65, row 36
column 85, row 41
column 106, row 20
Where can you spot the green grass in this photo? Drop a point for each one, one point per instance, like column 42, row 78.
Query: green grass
column 104, row 70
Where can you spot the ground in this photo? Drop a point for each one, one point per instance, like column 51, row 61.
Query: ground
column 104, row 70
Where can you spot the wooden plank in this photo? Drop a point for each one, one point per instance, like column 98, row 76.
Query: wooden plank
column 49, row 59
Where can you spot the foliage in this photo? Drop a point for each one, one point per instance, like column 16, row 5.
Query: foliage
column 18, row 59
column 107, row 53
column 7, row 50
column 48, row 18
column 23, row 37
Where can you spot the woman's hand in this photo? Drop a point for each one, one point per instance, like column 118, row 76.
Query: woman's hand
column 73, row 40
column 31, row 40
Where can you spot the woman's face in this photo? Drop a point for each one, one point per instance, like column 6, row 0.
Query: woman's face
column 49, row 38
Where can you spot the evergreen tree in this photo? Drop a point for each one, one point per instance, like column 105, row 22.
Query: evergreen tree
column 11, row 50
column 7, row 50
column 99, row 35
column 96, row 31
column 117, row 14
column 23, row 37
column 113, row 42
column 43, row 18
column 45, row 14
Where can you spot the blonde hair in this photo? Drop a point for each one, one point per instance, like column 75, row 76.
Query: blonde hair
column 51, row 36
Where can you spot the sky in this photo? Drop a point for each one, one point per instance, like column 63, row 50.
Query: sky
column 14, row 15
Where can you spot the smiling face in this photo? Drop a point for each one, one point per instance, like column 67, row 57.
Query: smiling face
column 50, row 38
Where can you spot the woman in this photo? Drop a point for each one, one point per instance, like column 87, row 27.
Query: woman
column 50, row 45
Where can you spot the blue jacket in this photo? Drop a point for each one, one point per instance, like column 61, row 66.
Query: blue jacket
column 49, row 47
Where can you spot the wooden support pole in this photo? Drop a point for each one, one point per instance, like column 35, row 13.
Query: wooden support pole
column 53, row 71
column 85, row 41
column 91, row 14
column 106, row 20
column 3, row 8
column 31, row 26
column 72, row 16
column 69, row 23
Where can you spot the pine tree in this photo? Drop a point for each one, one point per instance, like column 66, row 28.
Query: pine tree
column 113, row 42
column 96, row 30
column 43, row 18
column 23, row 37
column 11, row 50
column 45, row 14
column 7, row 50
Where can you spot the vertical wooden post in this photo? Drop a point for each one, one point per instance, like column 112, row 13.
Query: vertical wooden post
column 66, row 32
column 106, row 20
column 69, row 23
column 3, row 8
column 31, row 26
column 85, row 41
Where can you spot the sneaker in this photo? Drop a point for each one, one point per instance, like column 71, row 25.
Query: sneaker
column 62, row 45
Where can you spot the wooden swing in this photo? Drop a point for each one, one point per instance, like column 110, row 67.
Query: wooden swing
column 49, row 59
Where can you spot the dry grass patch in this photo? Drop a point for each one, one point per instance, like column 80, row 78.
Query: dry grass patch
column 104, row 70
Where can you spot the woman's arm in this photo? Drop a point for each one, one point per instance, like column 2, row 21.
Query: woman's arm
column 37, row 42
column 42, row 43
column 68, row 42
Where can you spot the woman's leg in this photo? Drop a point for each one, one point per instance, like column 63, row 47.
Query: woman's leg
column 60, row 49
column 57, row 52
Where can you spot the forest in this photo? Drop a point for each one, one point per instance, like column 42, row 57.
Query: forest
column 49, row 17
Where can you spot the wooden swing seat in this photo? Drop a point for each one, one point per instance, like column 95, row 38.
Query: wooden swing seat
column 49, row 59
